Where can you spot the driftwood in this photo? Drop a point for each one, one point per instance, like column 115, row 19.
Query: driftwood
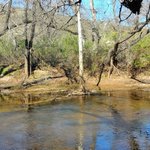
column 28, row 84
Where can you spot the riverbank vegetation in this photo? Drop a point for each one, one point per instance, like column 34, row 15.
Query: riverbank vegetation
column 39, row 42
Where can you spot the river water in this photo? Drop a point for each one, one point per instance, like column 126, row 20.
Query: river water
column 117, row 120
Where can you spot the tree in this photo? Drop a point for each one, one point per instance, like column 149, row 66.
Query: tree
column 80, row 40
column 7, row 17
column 29, row 38
column 95, row 32
column 44, row 17
column 39, row 17
column 138, row 32
column 80, row 43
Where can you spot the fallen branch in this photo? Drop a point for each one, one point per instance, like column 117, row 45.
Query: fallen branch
column 144, row 82
column 28, row 84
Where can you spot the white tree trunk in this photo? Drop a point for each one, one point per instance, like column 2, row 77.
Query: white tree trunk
column 80, row 43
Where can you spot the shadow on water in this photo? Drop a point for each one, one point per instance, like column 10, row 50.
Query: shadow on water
column 117, row 120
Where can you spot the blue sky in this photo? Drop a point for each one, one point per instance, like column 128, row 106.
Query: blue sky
column 103, row 7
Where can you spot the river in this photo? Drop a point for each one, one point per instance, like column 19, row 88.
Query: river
column 115, row 120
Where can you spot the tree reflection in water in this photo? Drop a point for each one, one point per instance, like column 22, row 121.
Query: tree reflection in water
column 107, row 122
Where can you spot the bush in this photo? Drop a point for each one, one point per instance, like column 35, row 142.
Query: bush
column 8, row 54
column 141, row 54
column 60, row 50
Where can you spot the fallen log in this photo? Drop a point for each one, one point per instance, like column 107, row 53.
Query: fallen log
column 28, row 84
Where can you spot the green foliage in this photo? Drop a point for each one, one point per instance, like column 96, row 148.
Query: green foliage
column 88, row 45
column 64, row 48
column 8, row 54
column 68, row 45
column 112, row 36
column 5, row 48
column 1, row 69
column 47, row 51
column 21, row 45
column 53, row 52
column 92, row 58
column 6, row 70
column 141, row 52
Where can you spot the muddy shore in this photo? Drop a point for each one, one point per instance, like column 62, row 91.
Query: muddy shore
column 59, row 85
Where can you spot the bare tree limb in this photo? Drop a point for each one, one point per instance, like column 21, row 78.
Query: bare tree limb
column 6, row 22
column 112, row 54
column 13, row 27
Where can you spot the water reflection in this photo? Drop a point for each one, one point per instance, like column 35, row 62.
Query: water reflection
column 26, row 101
column 109, row 122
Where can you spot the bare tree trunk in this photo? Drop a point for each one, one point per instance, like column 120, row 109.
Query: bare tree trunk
column 80, row 43
column 29, row 40
column 7, row 18
column 27, row 63
column 27, row 50
column 95, row 32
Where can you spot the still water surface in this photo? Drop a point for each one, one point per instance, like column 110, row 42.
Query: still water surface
column 117, row 120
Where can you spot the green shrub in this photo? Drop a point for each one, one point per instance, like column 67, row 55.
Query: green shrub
column 56, row 51
column 8, row 54
column 141, row 53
